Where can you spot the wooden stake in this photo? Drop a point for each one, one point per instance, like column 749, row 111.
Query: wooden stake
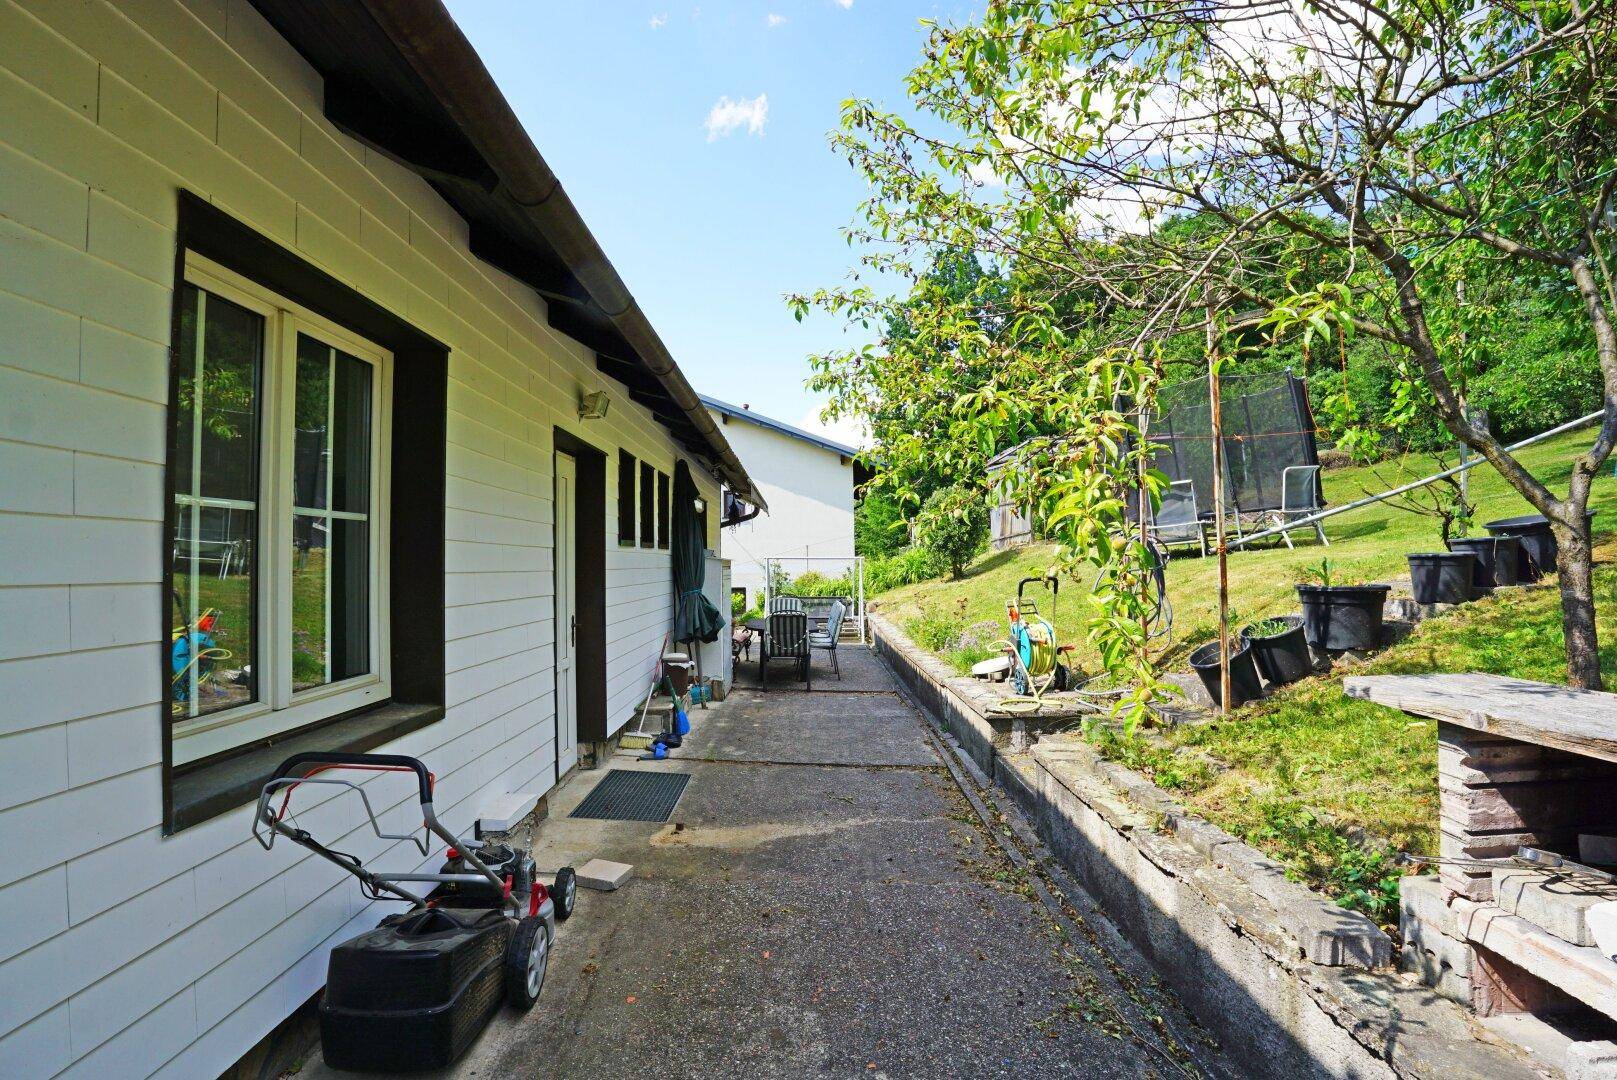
column 1216, row 413
column 1145, row 517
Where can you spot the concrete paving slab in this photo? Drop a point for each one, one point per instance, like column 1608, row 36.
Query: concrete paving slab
column 603, row 875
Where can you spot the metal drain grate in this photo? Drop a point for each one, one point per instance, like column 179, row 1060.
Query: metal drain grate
column 632, row 795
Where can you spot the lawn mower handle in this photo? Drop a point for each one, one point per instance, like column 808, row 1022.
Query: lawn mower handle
column 290, row 767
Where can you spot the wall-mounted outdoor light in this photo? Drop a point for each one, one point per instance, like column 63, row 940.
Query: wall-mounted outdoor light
column 593, row 406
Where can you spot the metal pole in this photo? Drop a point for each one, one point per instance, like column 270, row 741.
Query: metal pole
column 860, row 562
column 1570, row 425
column 1216, row 413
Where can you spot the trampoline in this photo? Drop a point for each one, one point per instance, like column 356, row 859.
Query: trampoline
column 1268, row 428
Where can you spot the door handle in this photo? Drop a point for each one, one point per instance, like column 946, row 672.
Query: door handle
column 572, row 631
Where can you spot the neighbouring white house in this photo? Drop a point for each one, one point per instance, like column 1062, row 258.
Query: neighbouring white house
column 808, row 482
column 304, row 354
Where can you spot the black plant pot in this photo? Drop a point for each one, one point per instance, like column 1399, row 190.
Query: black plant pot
column 1538, row 546
column 1497, row 558
column 1244, row 683
column 1341, row 617
column 1441, row 577
column 1282, row 658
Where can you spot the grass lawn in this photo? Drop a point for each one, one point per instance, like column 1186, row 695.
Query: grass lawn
column 1320, row 782
column 1368, row 544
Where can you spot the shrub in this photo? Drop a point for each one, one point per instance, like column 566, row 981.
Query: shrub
column 906, row 567
column 952, row 527
column 938, row 631
column 878, row 527
column 814, row 583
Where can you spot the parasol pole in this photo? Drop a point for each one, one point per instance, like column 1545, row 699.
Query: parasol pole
column 1216, row 414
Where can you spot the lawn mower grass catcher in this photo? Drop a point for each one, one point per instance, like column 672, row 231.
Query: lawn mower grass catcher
column 415, row 992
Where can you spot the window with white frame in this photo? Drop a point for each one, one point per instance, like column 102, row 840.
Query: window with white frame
column 279, row 538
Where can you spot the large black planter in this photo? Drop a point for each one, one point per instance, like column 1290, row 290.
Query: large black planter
column 1441, row 577
column 1244, row 683
column 1282, row 658
column 1538, row 546
column 1343, row 616
column 1497, row 558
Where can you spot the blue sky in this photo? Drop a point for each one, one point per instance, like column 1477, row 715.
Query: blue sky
column 708, row 225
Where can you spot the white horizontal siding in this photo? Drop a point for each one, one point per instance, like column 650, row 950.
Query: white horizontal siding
column 124, row 952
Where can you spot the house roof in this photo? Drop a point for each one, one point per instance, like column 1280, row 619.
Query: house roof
column 401, row 77
column 742, row 413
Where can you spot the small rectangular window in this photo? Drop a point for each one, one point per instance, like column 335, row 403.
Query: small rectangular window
column 648, row 505
column 626, row 502
column 664, row 507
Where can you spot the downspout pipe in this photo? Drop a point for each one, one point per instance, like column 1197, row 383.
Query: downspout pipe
column 426, row 35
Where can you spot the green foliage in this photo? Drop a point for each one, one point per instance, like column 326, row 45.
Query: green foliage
column 907, row 566
column 964, row 657
column 1361, row 878
column 814, row 583
column 879, row 526
column 1087, row 197
column 937, row 629
column 1267, row 628
column 1321, row 574
column 952, row 526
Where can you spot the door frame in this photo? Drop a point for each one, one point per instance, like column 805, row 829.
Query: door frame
column 589, row 583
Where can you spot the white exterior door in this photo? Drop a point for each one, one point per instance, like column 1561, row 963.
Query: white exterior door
column 566, row 615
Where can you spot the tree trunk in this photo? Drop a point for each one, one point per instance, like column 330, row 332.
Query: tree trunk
column 1573, row 563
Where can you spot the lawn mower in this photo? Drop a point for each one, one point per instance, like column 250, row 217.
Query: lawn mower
column 415, row 992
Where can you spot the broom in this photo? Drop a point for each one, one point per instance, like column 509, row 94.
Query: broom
column 640, row 738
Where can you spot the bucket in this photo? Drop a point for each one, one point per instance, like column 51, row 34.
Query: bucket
column 1343, row 617
column 1282, row 658
column 1498, row 558
column 1538, row 546
column 1441, row 577
column 1244, row 683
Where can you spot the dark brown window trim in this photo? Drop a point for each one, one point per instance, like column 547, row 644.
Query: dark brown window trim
column 221, row 784
column 665, row 506
column 648, row 505
column 202, row 790
column 627, row 470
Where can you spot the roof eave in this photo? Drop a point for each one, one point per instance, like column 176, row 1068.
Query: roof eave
column 426, row 38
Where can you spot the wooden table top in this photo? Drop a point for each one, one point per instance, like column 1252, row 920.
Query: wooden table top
column 1578, row 721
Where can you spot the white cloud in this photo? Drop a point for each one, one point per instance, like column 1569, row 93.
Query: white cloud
column 659, row 21
column 844, row 4
column 727, row 116
column 773, row 20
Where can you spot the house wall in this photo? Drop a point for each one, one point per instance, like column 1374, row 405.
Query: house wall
column 810, row 494
column 122, row 952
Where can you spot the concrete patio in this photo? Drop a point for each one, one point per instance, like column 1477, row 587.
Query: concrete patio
column 824, row 902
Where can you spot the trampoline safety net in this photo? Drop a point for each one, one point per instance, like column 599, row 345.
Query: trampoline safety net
column 1267, row 427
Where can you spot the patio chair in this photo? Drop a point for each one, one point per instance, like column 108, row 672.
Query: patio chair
column 1299, row 497
column 787, row 640
column 827, row 639
column 784, row 603
column 1178, row 519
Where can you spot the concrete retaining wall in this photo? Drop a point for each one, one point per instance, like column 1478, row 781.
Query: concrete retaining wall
column 1291, row 984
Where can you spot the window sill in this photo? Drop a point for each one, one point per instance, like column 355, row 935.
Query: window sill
column 213, row 788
